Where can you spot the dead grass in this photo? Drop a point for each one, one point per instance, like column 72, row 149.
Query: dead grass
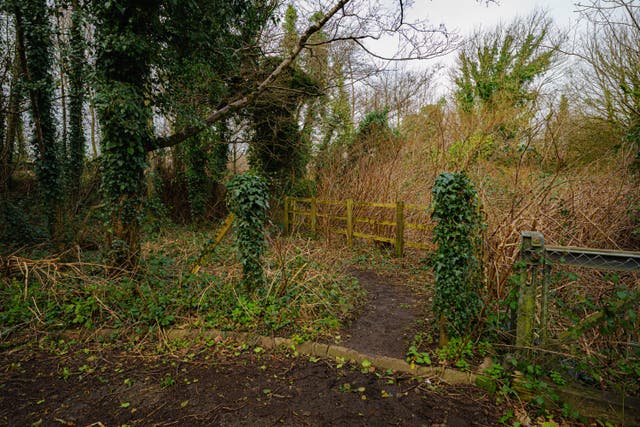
column 570, row 201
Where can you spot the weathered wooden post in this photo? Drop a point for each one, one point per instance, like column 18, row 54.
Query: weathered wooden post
column 314, row 212
column 285, row 222
column 399, row 243
column 350, row 222
column 532, row 254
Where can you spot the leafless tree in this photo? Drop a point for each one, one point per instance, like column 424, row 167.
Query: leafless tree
column 356, row 22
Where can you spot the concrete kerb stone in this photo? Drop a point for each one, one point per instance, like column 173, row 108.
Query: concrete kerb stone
column 311, row 348
column 315, row 349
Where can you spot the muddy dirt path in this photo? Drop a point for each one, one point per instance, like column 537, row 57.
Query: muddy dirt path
column 224, row 384
column 387, row 323
column 230, row 384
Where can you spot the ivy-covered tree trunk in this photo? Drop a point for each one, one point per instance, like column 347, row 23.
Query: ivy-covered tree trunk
column 125, row 47
column 76, row 101
column 7, row 142
column 196, row 175
column 33, row 36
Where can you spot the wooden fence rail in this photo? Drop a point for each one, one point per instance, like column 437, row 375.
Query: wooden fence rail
column 313, row 210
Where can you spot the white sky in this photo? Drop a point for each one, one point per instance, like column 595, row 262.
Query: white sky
column 466, row 15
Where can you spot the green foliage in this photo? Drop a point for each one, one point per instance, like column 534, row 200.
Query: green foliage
column 374, row 131
column 463, row 153
column 374, row 123
column 248, row 199
column 611, row 82
column 17, row 219
column 290, row 32
column 203, row 44
column 457, row 351
column 298, row 299
column 500, row 66
column 150, row 300
column 206, row 158
column 33, row 24
column 125, row 46
column 77, row 75
column 197, row 180
column 456, row 262
column 279, row 150
column 418, row 357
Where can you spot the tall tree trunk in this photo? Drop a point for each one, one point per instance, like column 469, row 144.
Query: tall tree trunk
column 92, row 135
column 4, row 146
column 33, row 36
column 125, row 45
column 76, row 102
column 14, row 125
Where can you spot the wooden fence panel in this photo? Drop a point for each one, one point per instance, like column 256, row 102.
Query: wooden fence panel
column 354, row 219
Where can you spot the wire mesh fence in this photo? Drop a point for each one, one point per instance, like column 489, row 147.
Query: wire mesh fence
column 536, row 293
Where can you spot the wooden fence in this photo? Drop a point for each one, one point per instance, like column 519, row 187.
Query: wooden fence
column 400, row 224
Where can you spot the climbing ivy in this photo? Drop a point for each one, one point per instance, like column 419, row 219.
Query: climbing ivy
column 33, row 33
column 196, row 176
column 456, row 264
column 76, row 100
column 278, row 149
column 248, row 199
column 125, row 46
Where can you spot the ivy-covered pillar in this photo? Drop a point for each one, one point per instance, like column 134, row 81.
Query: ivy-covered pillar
column 457, row 264
column 125, row 47
column 248, row 200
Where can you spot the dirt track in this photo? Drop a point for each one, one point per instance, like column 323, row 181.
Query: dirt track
column 230, row 385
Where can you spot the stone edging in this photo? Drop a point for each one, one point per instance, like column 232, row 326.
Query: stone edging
column 309, row 348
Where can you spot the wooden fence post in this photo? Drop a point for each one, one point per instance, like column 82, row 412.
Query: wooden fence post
column 349, row 222
column 314, row 211
column 285, row 222
column 399, row 228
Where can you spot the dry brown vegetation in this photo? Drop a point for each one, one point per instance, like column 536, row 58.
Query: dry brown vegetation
column 559, row 175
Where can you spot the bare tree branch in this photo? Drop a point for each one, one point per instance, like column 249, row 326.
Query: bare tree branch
column 245, row 99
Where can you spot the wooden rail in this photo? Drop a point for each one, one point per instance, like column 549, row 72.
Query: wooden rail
column 310, row 211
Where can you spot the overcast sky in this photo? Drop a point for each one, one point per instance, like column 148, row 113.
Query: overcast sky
column 466, row 15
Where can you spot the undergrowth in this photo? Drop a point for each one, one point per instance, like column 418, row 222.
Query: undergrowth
column 301, row 296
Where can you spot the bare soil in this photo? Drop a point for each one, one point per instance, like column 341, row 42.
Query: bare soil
column 220, row 385
column 227, row 384
column 387, row 323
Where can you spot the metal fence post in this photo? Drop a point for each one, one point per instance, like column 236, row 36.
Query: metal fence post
column 544, row 303
column 314, row 212
column 532, row 254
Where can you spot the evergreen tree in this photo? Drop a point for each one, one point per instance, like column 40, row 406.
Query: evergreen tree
column 500, row 66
